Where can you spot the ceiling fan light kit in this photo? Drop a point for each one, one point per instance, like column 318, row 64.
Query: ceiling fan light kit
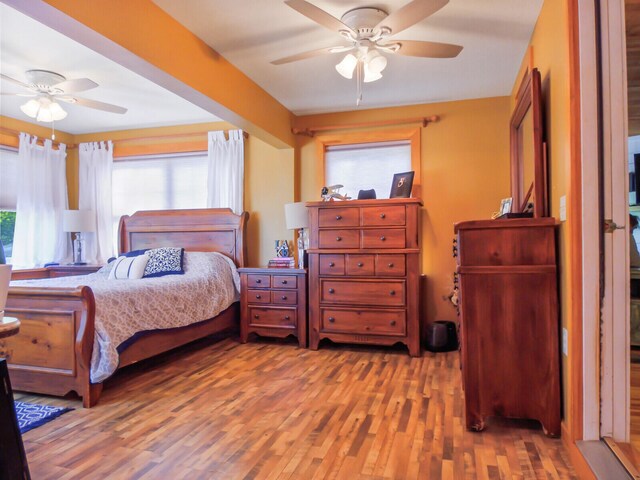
column 43, row 109
column 368, row 29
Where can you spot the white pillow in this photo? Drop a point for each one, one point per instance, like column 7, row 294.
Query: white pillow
column 128, row 267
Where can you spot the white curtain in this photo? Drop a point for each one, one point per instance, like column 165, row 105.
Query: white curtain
column 42, row 197
column 226, row 171
column 96, row 162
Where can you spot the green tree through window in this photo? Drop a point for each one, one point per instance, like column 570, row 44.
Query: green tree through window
column 7, row 226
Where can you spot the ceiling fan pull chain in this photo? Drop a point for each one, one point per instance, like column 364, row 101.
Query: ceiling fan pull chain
column 359, row 83
column 53, row 132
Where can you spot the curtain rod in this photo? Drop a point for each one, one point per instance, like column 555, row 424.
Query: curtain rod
column 174, row 135
column 311, row 131
column 16, row 133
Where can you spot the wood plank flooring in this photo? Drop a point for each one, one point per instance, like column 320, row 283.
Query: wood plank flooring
column 270, row 410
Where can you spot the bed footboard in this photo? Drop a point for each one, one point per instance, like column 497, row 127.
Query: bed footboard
column 52, row 352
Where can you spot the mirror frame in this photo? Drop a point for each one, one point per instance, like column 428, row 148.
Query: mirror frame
column 529, row 96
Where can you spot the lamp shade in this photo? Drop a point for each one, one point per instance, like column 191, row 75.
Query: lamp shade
column 78, row 221
column 295, row 215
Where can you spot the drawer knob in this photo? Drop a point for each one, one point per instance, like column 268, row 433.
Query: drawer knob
column 284, row 282
column 331, row 290
column 392, row 323
column 390, row 265
column 382, row 215
column 392, row 292
column 258, row 297
column 382, row 238
column 286, row 317
column 256, row 316
column 284, row 297
column 338, row 217
column 360, row 264
column 332, row 319
column 338, row 239
column 331, row 264
column 258, row 281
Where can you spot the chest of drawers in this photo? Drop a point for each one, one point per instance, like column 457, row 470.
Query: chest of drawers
column 364, row 268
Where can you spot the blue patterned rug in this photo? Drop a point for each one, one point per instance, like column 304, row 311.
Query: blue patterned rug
column 31, row 415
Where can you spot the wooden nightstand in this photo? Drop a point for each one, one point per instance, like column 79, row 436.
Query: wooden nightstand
column 69, row 270
column 273, row 303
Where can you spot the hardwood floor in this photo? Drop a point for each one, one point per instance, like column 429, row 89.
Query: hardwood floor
column 270, row 410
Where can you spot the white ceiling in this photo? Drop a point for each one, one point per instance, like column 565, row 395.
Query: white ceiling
column 250, row 34
column 26, row 44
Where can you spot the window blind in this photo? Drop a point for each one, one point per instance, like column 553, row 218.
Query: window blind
column 8, row 178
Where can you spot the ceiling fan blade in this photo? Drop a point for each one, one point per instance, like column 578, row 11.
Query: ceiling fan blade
column 410, row 14
column 76, row 85
column 14, row 81
column 319, row 16
column 415, row 48
column 19, row 94
column 85, row 102
column 310, row 54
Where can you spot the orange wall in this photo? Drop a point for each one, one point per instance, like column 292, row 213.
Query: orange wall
column 551, row 56
column 465, row 173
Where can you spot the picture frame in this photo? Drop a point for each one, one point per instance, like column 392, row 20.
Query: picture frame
column 505, row 205
column 402, row 185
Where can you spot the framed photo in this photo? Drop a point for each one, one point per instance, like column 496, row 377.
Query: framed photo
column 402, row 185
column 505, row 205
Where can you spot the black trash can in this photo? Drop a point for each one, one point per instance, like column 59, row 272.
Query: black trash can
column 442, row 336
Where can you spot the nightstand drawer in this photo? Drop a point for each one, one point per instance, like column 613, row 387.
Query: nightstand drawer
column 383, row 238
column 272, row 317
column 284, row 281
column 284, row 297
column 339, row 238
column 331, row 264
column 258, row 296
column 386, row 215
column 338, row 217
column 371, row 322
column 258, row 281
column 391, row 265
column 362, row 292
column 360, row 265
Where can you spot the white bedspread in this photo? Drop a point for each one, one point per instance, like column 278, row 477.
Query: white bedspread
column 209, row 285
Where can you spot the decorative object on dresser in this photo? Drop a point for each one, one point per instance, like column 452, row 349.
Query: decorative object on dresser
column 273, row 303
column 364, row 272
column 402, row 185
column 78, row 222
column 509, row 320
column 297, row 218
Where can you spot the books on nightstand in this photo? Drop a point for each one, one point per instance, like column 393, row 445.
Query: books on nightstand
column 282, row 262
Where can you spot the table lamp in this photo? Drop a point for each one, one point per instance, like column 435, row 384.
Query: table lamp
column 296, row 217
column 78, row 222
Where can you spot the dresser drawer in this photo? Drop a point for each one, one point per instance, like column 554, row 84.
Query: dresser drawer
column 284, row 281
column 391, row 265
column 284, row 297
column 383, row 215
column 372, row 322
column 360, row 265
column 383, row 238
column 258, row 296
column 258, row 281
column 331, row 264
column 272, row 317
column 339, row 238
column 338, row 217
column 360, row 292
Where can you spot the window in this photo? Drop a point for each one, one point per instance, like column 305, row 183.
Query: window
column 366, row 165
column 158, row 182
column 8, row 196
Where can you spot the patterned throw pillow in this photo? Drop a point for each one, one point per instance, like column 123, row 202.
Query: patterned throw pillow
column 128, row 268
column 164, row 261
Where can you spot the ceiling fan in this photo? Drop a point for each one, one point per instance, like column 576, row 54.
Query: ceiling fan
column 48, row 87
column 367, row 32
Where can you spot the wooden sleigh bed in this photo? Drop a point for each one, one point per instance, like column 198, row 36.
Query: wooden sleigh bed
column 52, row 352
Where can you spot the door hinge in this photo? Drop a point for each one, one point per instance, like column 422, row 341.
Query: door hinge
column 610, row 226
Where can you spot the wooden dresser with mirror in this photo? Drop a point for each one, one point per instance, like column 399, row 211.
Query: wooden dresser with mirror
column 507, row 270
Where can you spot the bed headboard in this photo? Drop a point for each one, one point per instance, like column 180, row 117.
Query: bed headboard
column 200, row 230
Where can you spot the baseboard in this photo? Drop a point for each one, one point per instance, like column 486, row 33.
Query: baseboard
column 580, row 465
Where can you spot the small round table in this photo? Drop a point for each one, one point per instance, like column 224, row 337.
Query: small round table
column 9, row 326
